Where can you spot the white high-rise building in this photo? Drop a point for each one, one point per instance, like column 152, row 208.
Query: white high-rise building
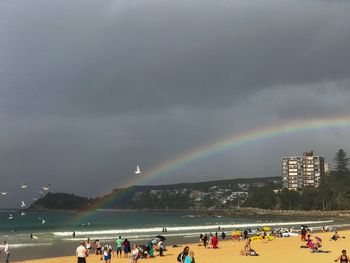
column 302, row 171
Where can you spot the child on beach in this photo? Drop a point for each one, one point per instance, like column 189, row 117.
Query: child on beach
column 107, row 253
column 134, row 254
column 190, row 258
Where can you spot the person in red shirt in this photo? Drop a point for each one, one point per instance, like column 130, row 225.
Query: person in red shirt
column 215, row 241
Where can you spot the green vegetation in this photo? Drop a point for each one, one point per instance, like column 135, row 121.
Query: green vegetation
column 202, row 195
column 332, row 194
column 267, row 193
column 61, row 201
column 341, row 161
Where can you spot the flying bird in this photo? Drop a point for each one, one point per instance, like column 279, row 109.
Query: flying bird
column 10, row 216
column 4, row 193
column 43, row 221
column 46, row 188
column 23, row 204
column 23, row 214
column 23, row 185
column 138, row 171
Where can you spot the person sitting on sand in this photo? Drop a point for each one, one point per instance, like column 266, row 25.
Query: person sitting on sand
column 314, row 246
column 134, row 254
column 336, row 236
column 247, row 249
column 343, row 258
column 190, row 258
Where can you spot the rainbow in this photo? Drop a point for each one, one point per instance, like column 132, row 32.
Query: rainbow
column 234, row 141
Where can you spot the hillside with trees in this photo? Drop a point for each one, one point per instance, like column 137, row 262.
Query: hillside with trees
column 202, row 195
column 266, row 193
column 332, row 194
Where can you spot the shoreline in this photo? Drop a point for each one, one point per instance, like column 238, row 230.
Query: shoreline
column 269, row 251
column 243, row 211
column 181, row 242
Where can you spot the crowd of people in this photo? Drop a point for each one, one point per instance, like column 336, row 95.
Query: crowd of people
column 122, row 249
column 210, row 241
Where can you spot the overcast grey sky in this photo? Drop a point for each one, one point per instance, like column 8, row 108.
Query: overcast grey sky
column 89, row 89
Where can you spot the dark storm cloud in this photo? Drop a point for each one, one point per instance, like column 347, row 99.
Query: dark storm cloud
column 90, row 88
column 107, row 57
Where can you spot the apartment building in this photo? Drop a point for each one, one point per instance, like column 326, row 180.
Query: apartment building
column 302, row 171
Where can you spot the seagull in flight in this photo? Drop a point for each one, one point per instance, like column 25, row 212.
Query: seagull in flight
column 43, row 221
column 23, row 204
column 46, row 188
column 23, row 214
column 23, row 185
column 4, row 193
column 10, row 216
column 138, row 171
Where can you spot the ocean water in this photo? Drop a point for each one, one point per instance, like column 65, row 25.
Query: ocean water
column 54, row 236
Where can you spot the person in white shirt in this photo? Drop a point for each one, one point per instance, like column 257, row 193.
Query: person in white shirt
column 134, row 255
column 6, row 251
column 81, row 253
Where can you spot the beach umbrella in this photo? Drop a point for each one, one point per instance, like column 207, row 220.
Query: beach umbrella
column 161, row 237
column 318, row 239
column 266, row 228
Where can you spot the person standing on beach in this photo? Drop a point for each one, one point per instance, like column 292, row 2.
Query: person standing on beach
column 223, row 235
column 107, row 253
column 6, row 251
column 126, row 247
column 214, row 241
column 303, row 234
column 205, row 240
column 119, row 244
column 343, row 258
column 181, row 257
column 98, row 247
column 81, row 253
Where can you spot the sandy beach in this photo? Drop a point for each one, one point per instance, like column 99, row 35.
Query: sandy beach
column 278, row 250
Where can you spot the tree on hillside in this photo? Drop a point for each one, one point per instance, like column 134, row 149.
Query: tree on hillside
column 341, row 161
